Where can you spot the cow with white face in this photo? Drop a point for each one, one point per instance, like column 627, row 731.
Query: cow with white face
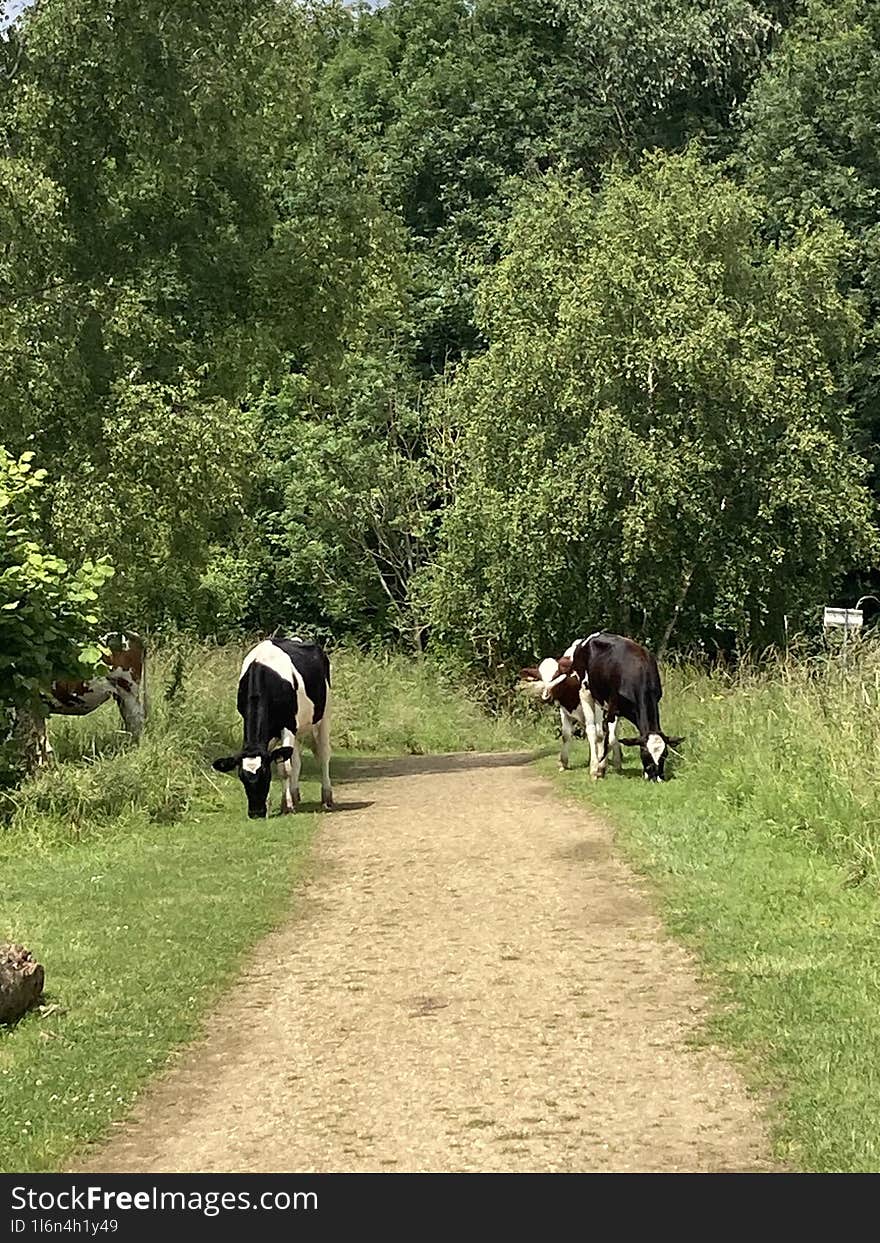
column 283, row 697
column 598, row 680
column 554, row 682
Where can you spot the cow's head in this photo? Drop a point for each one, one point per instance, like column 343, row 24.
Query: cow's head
column 553, row 681
column 653, row 748
column 254, row 767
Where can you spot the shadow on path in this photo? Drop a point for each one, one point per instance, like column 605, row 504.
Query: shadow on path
column 413, row 765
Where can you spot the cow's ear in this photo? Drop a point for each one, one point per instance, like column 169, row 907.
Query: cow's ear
column 630, row 742
column 530, row 675
column 281, row 753
column 675, row 742
column 225, row 764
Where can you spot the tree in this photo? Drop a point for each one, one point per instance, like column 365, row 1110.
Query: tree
column 654, row 440
column 350, row 503
column 456, row 102
column 809, row 142
column 181, row 230
column 47, row 608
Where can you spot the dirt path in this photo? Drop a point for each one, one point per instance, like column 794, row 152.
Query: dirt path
column 473, row 981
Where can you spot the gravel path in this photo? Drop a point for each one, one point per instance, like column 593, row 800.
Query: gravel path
column 473, row 981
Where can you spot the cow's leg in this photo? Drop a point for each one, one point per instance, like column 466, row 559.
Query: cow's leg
column 131, row 708
column 593, row 713
column 601, row 739
column 44, row 749
column 566, row 738
column 322, row 751
column 288, row 771
column 613, row 745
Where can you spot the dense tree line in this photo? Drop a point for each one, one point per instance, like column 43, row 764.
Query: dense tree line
column 464, row 323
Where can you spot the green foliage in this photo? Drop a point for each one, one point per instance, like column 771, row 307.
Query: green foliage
column 245, row 245
column 352, row 517
column 456, row 102
column 170, row 471
column 47, row 616
column 810, row 141
column 182, row 228
column 653, row 440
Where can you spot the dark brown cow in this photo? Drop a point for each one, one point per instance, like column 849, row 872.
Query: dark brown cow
column 598, row 680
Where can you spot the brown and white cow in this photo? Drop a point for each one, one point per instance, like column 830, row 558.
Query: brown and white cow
column 125, row 681
column 595, row 682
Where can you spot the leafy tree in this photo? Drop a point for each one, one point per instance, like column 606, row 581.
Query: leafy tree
column 350, row 502
column 455, row 102
column 47, row 608
column 810, row 142
column 654, row 440
column 182, row 229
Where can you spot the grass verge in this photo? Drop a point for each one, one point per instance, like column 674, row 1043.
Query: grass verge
column 138, row 935
column 762, row 850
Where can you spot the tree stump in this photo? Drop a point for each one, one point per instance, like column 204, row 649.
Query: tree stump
column 21, row 982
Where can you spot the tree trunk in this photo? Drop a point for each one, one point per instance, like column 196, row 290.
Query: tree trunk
column 21, row 982
column 30, row 738
column 685, row 585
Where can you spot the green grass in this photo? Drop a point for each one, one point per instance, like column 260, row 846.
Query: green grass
column 763, row 852
column 138, row 934
column 135, row 877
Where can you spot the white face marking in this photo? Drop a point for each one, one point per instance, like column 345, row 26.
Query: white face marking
column 251, row 764
column 547, row 669
column 655, row 747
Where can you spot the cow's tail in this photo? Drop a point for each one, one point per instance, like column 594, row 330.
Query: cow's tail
column 145, row 703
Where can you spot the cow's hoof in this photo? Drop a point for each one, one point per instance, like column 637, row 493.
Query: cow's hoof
column 289, row 802
column 327, row 800
column 563, row 768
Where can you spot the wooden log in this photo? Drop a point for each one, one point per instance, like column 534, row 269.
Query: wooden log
column 21, row 982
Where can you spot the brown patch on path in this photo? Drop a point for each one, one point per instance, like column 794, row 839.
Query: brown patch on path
column 473, row 981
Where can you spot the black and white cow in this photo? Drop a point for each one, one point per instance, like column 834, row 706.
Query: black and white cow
column 283, row 696
column 595, row 682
